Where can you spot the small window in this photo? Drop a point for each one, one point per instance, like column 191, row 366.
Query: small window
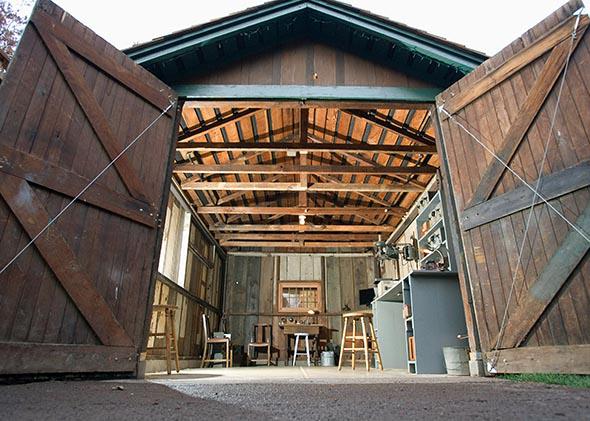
column 299, row 297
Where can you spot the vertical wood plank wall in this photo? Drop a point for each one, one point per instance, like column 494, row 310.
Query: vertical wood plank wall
column 306, row 63
column 202, row 293
column 252, row 283
column 491, row 248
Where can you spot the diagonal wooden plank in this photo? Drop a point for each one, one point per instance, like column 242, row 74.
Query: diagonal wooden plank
column 159, row 99
column 494, row 77
column 551, row 186
column 94, row 113
column 42, row 173
column 540, row 294
column 526, row 115
column 62, row 260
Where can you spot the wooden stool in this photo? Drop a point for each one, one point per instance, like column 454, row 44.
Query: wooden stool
column 295, row 353
column 169, row 333
column 369, row 345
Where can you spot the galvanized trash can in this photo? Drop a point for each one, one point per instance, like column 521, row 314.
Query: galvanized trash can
column 327, row 358
column 456, row 360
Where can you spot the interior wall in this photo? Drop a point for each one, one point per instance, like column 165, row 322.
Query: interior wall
column 201, row 293
column 252, row 283
column 305, row 62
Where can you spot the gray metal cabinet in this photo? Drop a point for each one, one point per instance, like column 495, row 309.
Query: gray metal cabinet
column 436, row 318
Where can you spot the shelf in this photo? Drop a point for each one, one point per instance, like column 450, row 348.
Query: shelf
column 435, row 200
column 428, row 233
column 444, row 243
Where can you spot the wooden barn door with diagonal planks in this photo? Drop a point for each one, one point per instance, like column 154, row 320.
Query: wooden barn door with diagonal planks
column 78, row 299
column 532, row 316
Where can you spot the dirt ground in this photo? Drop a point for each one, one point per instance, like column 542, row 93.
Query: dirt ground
column 293, row 393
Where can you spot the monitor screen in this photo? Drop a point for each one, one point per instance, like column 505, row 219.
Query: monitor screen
column 366, row 296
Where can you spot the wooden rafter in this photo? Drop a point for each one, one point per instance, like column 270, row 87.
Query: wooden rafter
column 393, row 126
column 207, row 127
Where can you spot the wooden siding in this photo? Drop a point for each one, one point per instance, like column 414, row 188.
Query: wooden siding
column 305, row 62
column 491, row 242
column 252, row 284
column 202, row 293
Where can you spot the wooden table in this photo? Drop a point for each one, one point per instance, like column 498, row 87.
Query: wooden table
column 312, row 330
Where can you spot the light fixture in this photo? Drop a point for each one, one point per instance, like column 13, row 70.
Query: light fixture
column 301, row 219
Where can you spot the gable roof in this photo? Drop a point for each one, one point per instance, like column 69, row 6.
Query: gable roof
column 271, row 24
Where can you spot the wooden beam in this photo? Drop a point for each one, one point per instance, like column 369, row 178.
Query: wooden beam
column 300, row 228
column 295, row 236
column 295, row 186
column 494, row 77
column 303, row 177
column 518, row 129
column 305, row 147
column 573, row 359
column 394, row 126
column 217, row 124
column 552, row 186
column 237, row 194
column 540, row 294
column 296, row 244
column 298, row 169
column 295, row 210
column 367, row 196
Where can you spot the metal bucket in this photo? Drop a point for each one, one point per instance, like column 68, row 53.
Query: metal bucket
column 327, row 358
column 456, row 360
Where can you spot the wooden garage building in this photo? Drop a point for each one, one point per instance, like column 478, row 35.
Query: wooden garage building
column 271, row 149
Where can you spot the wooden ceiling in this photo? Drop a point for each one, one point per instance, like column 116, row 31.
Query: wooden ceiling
column 353, row 173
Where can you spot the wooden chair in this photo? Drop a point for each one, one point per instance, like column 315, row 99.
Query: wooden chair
column 169, row 334
column 210, row 342
column 262, row 339
column 367, row 336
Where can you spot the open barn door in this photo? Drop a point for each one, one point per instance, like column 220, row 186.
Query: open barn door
column 532, row 312
column 77, row 300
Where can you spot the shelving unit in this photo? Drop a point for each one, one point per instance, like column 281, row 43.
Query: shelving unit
column 432, row 217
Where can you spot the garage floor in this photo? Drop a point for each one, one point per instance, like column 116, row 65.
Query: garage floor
column 292, row 393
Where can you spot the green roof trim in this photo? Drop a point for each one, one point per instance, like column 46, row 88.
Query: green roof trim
column 216, row 43
column 306, row 93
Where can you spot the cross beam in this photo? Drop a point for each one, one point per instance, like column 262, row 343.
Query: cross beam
column 300, row 169
column 296, row 186
column 294, row 210
column 300, row 228
column 305, row 147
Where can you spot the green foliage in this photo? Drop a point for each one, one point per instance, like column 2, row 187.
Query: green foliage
column 11, row 26
column 571, row 380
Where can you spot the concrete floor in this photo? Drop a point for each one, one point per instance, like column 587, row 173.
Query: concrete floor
column 292, row 393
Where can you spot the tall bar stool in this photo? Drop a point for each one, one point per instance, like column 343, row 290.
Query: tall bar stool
column 295, row 353
column 169, row 334
column 366, row 335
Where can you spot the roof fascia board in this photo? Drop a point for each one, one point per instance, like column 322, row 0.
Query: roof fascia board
column 184, row 43
column 442, row 53
column 304, row 93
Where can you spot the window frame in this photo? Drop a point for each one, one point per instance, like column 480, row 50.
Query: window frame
column 299, row 284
